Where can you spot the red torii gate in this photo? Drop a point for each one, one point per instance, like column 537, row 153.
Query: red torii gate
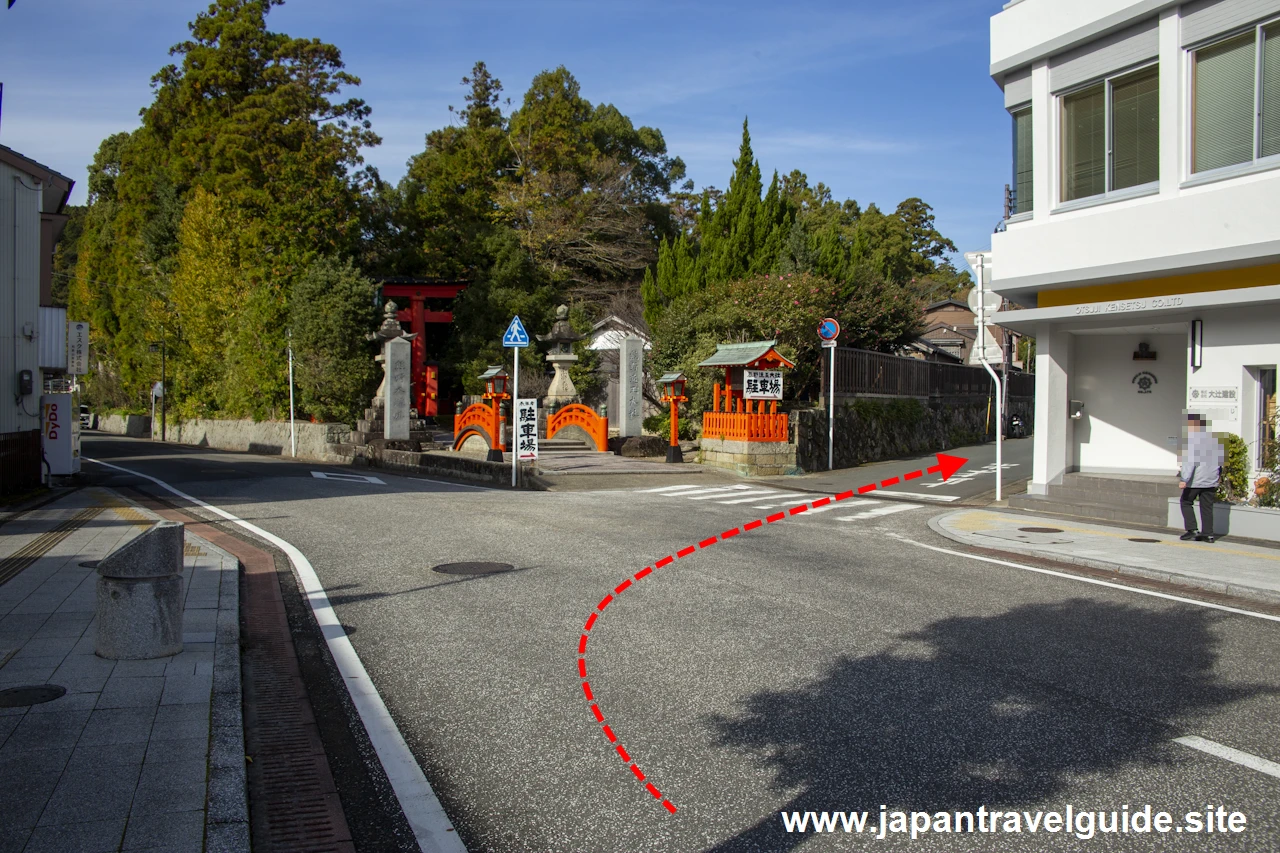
column 416, row 292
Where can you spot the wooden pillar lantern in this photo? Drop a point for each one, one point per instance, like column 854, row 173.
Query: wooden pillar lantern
column 673, row 393
column 495, row 391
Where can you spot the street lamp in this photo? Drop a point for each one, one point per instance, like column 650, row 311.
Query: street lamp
column 673, row 393
column 164, row 388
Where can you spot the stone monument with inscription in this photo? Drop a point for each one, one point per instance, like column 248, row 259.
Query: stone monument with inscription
column 396, row 388
column 391, row 422
column 561, row 337
column 630, row 415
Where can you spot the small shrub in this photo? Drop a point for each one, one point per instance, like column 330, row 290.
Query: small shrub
column 660, row 425
column 1234, row 486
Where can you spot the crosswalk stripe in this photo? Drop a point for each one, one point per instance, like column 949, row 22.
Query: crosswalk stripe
column 725, row 491
column 752, row 496
column 887, row 509
column 672, row 489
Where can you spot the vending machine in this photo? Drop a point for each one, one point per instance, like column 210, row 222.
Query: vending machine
column 60, row 434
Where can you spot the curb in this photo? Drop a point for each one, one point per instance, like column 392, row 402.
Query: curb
column 1263, row 596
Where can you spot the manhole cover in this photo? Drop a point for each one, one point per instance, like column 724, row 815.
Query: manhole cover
column 90, row 564
column 1144, row 540
column 18, row 697
column 472, row 568
column 1039, row 530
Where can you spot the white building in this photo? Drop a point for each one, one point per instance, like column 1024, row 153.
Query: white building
column 1144, row 241
column 32, row 200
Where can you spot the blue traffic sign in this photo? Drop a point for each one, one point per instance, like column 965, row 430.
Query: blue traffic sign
column 515, row 336
column 828, row 329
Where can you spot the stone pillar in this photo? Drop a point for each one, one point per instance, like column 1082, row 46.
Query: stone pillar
column 1054, row 430
column 397, row 354
column 139, row 606
column 629, row 415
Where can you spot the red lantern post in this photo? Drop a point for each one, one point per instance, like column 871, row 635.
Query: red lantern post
column 673, row 393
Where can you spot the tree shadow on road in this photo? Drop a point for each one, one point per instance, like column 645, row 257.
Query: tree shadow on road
column 999, row 711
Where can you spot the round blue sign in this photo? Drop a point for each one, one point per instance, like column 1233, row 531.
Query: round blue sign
column 828, row 329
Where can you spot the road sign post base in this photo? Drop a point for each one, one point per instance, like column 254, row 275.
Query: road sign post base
column 674, row 454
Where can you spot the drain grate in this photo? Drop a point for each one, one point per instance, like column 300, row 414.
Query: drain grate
column 35, row 549
column 1149, row 541
column 36, row 694
column 472, row 568
column 1040, row 529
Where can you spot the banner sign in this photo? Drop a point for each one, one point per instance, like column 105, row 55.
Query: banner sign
column 762, row 384
column 526, row 429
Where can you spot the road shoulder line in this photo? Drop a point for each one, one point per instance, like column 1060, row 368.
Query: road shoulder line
column 1082, row 579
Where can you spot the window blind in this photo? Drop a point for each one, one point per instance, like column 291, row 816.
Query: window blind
column 1022, row 158
column 1271, row 91
column 1224, row 91
column 1084, row 150
column 1135, row 129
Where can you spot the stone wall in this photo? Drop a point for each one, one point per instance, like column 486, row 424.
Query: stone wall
column 749, row 458
column 269, row 438
column 443, row 463
column 134, row 426
column 873, row 430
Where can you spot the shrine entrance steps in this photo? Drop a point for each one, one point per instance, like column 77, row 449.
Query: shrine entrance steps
column 564, row 445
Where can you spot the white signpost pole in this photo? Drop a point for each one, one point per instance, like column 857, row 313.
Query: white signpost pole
column 293, row 431
column 978, row 260
column 831, row 413
column 515, row 337
column 515, row 402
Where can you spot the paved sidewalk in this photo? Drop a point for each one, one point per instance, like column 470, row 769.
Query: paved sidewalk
column 137, row 755
column 1227, row 567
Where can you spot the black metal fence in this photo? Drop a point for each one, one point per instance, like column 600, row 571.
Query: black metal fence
column 865, row 372
column 20, row 461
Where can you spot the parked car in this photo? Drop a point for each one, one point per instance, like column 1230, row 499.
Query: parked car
column 84, row 417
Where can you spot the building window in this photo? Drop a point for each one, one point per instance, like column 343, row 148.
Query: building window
column 1023, row 185
column 1236, row 100
column 1111, row 135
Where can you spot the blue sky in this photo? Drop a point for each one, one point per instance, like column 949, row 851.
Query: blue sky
column 880, row 101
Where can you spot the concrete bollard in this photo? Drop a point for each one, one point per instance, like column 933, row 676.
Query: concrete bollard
column 140, row 596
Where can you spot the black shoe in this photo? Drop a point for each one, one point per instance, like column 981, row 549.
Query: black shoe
column 1210, row 539
column 1188, row 536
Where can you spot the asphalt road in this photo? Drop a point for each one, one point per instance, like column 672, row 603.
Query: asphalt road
column 821, row 663
column 977, row 479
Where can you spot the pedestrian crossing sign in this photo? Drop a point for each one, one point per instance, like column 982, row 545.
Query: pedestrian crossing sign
column 515, row 335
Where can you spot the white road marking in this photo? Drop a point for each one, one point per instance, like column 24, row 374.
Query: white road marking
column 916, row 495
column 1244, row 759
column 887, row 509
column 721, row 491
column 672, row 489
column 1094, row 581
column 348, row 478
column 431, row 826
column 750, row 496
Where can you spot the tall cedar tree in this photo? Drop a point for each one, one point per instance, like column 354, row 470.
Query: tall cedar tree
column 250, row 118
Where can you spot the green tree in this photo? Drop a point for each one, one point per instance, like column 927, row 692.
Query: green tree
column 331, row 308
column 252, row 119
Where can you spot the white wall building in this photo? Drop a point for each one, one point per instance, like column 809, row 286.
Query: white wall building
column 32, row 199
column 1146, row 168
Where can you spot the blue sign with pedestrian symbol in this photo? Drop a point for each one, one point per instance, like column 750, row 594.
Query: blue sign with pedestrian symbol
column 515, row 335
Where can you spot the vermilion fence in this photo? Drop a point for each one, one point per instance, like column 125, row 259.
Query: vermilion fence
column 736, row 419
column 20, row 461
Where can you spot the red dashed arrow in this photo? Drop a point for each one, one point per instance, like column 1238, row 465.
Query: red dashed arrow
column 947, row 465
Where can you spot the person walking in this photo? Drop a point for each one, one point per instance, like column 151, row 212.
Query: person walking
column 1199, row 475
